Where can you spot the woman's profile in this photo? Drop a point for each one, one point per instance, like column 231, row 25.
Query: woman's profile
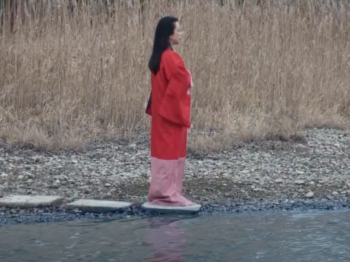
column 169, row 107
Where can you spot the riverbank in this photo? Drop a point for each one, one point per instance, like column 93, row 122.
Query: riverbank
column 255, row 176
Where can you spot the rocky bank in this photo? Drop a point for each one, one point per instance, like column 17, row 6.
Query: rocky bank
column 269, row 173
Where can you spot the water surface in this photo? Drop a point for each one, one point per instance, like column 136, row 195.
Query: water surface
column 281, row 236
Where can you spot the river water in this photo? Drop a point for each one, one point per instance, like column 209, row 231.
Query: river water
column 317, row 236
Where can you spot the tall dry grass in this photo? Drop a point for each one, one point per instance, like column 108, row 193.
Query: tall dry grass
column 259, row 71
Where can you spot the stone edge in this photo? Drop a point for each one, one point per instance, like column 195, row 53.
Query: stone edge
column 94, row 209
column 58, row 201
column 100, row 209
column 160, row 209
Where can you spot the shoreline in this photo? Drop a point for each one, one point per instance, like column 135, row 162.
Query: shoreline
column 260, row 176
column 13, row 216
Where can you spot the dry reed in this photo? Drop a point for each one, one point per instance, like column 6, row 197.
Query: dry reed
column 259, row 72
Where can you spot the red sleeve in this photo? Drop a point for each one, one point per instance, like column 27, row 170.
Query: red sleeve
column 173, row 106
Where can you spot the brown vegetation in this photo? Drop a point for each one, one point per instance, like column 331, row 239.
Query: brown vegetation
column 262, row 71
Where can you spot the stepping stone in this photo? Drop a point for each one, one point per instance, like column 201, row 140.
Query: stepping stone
column 172, row 209
column 23, row 201
column 98, row 206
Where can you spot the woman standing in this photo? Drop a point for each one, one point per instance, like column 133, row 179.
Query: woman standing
column 169, row 106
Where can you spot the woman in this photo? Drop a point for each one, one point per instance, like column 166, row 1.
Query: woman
column 169, row 105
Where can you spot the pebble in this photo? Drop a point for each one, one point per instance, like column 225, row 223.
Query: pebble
column 310, row 194
column 279, row 181
column 299, row 182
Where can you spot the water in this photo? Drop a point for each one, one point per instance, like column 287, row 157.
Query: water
column 290, row 236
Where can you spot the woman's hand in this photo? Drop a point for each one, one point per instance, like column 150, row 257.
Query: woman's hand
column 191, row 81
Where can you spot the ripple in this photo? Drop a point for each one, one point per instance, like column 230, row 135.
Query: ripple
column 270, row 236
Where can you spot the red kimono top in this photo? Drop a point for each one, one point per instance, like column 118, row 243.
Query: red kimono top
column 169, row 105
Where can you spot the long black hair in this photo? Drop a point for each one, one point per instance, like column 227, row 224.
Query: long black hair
column 164, row 30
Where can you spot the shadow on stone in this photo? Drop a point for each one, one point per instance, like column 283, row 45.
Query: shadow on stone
column 193, row 209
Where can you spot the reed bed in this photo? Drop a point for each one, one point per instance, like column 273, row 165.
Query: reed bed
column 73, row 75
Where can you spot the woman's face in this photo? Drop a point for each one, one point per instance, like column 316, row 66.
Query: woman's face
column 176, row 37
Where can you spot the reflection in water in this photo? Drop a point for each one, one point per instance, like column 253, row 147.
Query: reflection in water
column 166, row 238
column 265, row 237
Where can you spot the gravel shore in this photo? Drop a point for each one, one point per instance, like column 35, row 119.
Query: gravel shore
column 264, row 174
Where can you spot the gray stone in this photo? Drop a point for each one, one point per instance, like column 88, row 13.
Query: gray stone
column 299, row 182
column 23, row 201
column 310, row 194
column 4, row 175
column 98, row 206
column 172, row 209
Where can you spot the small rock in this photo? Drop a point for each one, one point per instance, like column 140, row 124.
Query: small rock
column 335, row 193
column 279, row 181
column 299, row 182
column 4, row 175
column 107, row 185
column 310, row 194
column 20, row 177
column 87, row 190
column 56, row 184
column 312, row 183
column 29, row 175
column 301, row 147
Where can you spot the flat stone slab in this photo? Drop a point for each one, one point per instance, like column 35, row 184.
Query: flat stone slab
column 98, row 206
column 172, row 209
column 23, row 201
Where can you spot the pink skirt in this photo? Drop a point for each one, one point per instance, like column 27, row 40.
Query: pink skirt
column 166, row 183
